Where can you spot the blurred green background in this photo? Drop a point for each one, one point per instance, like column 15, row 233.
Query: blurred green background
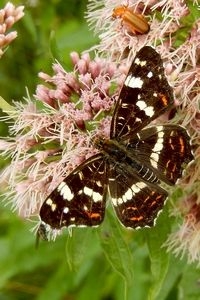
column 107, row 263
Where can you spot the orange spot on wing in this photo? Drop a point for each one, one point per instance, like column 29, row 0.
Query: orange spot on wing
column 153, row 203
column 182, row 144
column 163, row 99
column 137, row 218
column 93, row 215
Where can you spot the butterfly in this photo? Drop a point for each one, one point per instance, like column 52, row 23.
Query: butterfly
column 131, row 165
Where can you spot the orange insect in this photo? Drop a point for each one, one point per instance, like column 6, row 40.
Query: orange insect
column 136, row 23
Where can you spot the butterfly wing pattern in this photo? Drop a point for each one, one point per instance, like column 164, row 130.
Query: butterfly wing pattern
column 75, row 203
column 132, row 163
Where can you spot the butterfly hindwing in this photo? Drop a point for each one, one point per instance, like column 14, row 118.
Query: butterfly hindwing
column 135, row 201
column 165, row 149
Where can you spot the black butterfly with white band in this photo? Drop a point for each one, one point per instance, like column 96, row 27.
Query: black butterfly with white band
column 132, row 163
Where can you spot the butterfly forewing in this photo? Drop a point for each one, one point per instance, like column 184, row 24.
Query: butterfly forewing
column 145, row 95
column 80, row 199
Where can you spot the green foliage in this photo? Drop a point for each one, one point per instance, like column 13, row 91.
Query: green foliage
column 45, row 28
column 116, row 248
column 187, row 23
column 105, row 263
column 158, row 256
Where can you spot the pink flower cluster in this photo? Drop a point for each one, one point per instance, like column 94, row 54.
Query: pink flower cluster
column 53, row 131
column 9, row 15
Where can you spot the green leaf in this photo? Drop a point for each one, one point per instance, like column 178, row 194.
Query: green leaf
column 159, row 257
column 189, row 285
column 82, row 243
column 170, row 285
column 6, row 107
column 187, row 22
column 116, row 248
column 56, row 288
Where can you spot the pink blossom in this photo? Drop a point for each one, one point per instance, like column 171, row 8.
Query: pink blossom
column 186, row 240
column 9, row 15
column 49, row 143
